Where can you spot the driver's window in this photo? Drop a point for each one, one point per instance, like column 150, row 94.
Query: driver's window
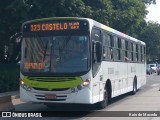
column 96, row 37
column 96, row 44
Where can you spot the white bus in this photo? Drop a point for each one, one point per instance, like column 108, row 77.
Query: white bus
column 78, row 60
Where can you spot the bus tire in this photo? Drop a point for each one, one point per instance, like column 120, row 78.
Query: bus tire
column 104, row 103
column 134, row 87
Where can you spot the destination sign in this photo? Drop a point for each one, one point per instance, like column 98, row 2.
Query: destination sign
column 54, row 26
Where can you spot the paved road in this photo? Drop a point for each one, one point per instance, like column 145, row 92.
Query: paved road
column 146, row 99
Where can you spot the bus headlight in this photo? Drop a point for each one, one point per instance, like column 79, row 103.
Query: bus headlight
column 22, row 82
column 86, row 82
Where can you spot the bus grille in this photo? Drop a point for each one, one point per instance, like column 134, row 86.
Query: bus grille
column 58, row 98
column 45, row 89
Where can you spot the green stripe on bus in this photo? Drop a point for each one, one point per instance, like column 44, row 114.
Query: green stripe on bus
column 53, row 85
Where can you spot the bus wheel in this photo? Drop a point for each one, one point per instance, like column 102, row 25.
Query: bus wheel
column 134, row 88
column 103, row 104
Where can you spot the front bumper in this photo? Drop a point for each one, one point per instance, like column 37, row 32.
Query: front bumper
column 82, row 96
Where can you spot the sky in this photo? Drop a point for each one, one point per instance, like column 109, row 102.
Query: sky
column 154, row 14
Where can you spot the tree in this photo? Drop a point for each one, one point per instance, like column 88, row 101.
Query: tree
column 13, row 13
column 101, row 10
column 124, row 15
column 150, row 2
column 128, row 15
column 151, row 36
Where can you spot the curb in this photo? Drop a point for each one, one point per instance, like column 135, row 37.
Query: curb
column 15, row 97
column 13, row 94
column 6, row 103
column 6, row 100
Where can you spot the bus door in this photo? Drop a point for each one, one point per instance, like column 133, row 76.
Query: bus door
column 96, row 63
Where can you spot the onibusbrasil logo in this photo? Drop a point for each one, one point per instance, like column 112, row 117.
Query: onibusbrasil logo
column 21, row 114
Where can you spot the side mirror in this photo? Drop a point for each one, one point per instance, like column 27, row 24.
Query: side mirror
column 18, row 63
column 14, row 47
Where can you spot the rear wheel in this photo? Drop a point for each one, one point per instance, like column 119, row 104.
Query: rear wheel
column 103, row 104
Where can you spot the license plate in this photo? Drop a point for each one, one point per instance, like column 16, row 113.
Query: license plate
column 50, row 96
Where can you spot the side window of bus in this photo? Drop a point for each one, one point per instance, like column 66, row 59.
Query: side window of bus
column 117, row 48
column 126, row 51
column 106, row 46
column 129, row 51
column 111, row 54
column 134, row 53
column 123, row 49
column 139, row 53
column 142, row 53
column 137, row 56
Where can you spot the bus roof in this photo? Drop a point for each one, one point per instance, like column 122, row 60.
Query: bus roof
column 109, row 29
column 94, row 23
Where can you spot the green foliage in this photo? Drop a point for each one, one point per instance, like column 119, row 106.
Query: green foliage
column 9, row 77
column 151, row 35
column 101, row 10
column 123, row 15
column 150, row 2
column 126, row 16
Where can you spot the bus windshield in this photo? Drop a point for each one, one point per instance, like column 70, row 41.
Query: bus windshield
column 55, row 54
